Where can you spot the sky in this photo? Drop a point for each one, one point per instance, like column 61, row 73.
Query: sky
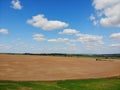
column 60, row 26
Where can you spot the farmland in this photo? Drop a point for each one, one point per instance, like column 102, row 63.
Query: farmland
column 34, row 72
column 50, row 68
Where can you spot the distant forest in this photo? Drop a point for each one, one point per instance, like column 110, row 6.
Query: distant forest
column 70, row 55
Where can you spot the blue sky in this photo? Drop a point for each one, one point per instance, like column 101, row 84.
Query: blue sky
column 60, row 26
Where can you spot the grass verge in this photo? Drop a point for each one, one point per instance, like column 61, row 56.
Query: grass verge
column 88, row 84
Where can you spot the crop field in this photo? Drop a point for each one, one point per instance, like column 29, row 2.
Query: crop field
column 50, row 68
column 27, row 72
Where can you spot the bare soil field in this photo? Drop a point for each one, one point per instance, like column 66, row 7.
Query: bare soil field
column 50, row 68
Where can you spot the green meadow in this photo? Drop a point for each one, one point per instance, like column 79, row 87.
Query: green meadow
column 87, row 84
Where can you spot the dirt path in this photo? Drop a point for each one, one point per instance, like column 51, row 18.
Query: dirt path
column 49, row 68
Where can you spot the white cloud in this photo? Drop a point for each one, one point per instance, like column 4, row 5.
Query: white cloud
column 69, row 31
column 4, row 31
column 58, row 40
column 41, row 22
column 115, row 45
column 90, row 40
column 39, row 37
column 70, row 43
column 92, row 17
column 109, row 10
column 58, row 49
column 86, row 39
column 64, row 41
column 115, row 36
column 114, row 48
column 16, row 4
column 95, row 22
column 2, row 46
column 101, row 4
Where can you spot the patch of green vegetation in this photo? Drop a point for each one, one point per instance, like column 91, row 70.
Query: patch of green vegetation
column 99, row 56
column 88, row 84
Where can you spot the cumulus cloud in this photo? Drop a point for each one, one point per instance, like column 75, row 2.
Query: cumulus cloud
column 4, row 31
column 16, row 4
column 41, row 22
column 39, row 37
column 86, row 39
column 65, row 41
column 115, row 36
column 101, row 4
column 109, row 12
column 58, row 40
column 90, row 40
column 69, row 31
column 93, row 19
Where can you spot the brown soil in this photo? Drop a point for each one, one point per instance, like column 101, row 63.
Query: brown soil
column 49, row 68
